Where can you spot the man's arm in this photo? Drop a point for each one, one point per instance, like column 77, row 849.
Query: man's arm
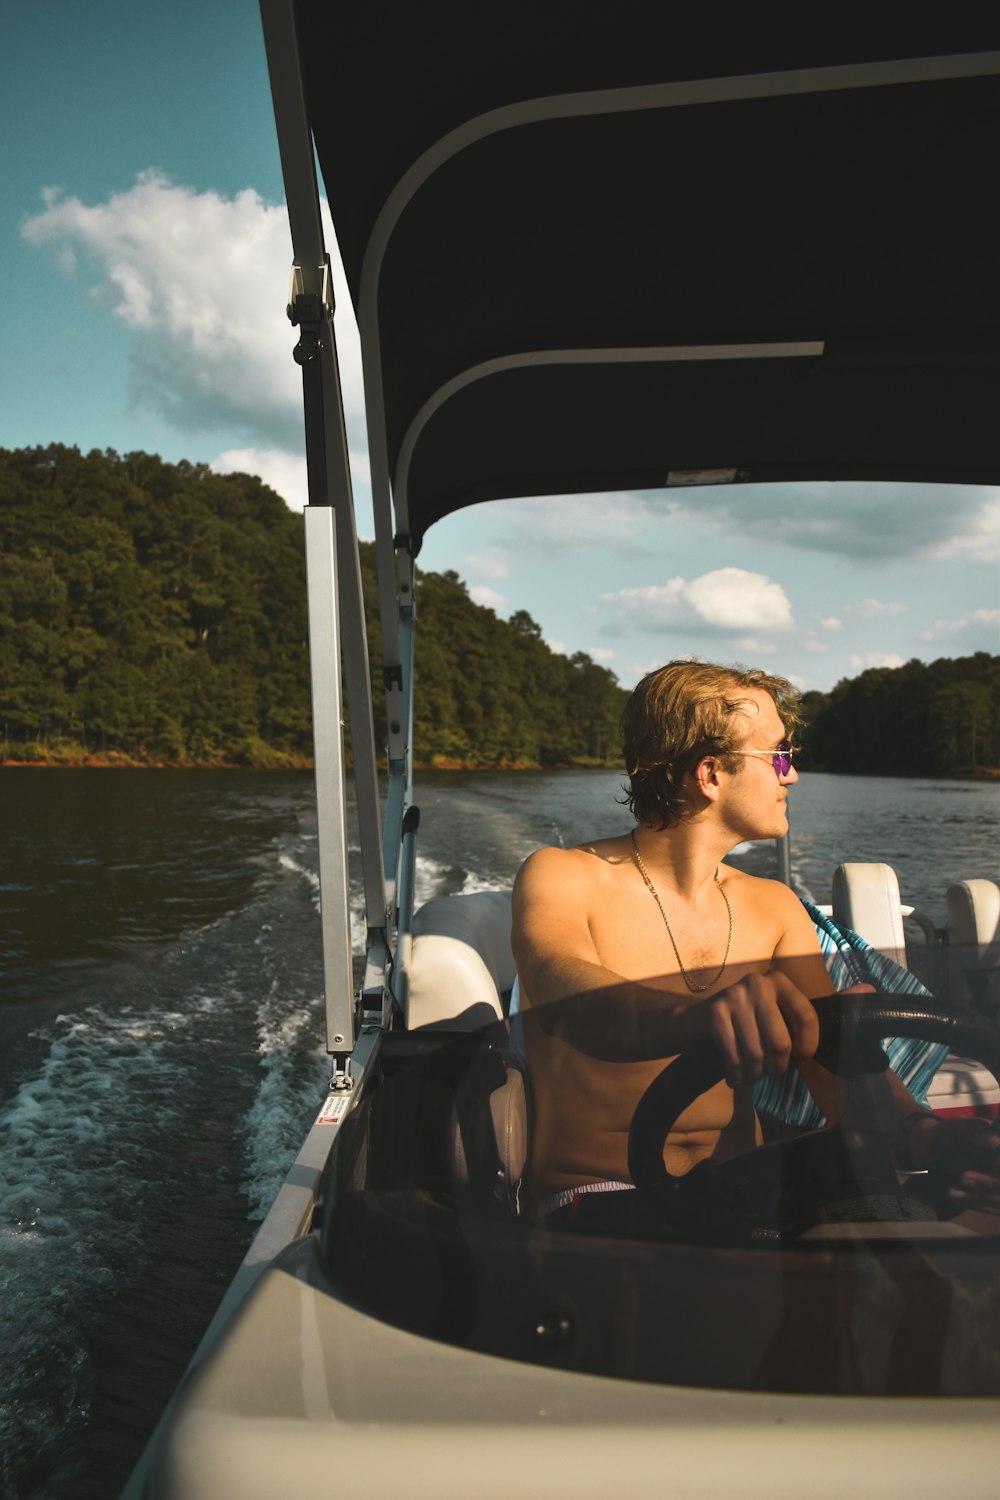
column 759, row 1024
column 922, row 1140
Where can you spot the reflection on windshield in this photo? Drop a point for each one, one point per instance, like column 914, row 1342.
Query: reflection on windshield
column 486, row 1192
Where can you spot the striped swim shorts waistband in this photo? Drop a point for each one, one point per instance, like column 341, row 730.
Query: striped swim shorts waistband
column 569, row 1196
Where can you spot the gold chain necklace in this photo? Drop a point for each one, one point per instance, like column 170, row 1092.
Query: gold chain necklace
column 696, row 989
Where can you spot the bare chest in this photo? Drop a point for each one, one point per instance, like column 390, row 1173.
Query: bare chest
column 641, row 937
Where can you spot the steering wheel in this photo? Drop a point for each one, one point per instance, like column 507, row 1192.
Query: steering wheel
column 844, row 1171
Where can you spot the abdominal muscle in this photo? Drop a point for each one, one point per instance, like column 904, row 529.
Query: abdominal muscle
column 583, row 1108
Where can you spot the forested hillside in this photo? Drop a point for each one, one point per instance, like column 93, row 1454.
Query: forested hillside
column 155, row 611
column 940, row 718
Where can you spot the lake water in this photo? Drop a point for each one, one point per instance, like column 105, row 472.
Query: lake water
column 160, row 1041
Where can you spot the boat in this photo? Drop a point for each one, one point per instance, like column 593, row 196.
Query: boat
column 597, row 248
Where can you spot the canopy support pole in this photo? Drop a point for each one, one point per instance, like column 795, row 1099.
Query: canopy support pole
column 337, row 618
column 331, row 802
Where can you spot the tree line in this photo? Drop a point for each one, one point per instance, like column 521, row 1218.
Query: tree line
column 939, row 718
column 157, row 612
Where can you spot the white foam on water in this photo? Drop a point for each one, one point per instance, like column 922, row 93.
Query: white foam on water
column 429, row 877
column 73, row 1147
column 294, row 1068
column 800, row 885
column 432, row 878
column 294, row 1071
column 359, row 930
column 474, row 882
column 311, row 877
column 435, row 879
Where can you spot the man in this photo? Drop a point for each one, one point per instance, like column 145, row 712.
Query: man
column 662, row 945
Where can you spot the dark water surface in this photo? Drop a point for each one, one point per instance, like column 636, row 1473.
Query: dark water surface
column 161, row 1042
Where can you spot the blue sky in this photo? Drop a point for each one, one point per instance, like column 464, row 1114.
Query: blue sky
column 144, row 271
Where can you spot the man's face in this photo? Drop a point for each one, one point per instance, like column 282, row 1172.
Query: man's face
column 755, row 798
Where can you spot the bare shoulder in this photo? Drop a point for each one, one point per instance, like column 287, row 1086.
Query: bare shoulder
column 770, row 899
column 581, row 865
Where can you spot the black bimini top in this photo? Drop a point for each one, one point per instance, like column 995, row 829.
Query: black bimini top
column 605, row 246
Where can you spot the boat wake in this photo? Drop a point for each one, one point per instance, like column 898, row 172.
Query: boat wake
column 76, row 1139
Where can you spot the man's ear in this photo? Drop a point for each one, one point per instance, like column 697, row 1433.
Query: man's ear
column 706, row 777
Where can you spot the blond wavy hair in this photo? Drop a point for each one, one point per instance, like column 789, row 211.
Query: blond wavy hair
column 677, row 715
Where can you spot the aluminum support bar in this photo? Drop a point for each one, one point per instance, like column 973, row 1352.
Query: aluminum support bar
column 331, row 801
column 400, row 789
column 311, row 306
column 354, row 634
column 405, row 884
column 298, row 166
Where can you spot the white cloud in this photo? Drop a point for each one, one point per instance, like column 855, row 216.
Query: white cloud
column 866, row 522
column 831, row 623
column 559, row 647
column 285, row 473
column 873, row 609
column 724, row 600
column 978, row 537
column 491, row 562
column 361, row 468
column 488, row 597
column 201, row 282
column 939, row 628
column 980, row 629
column 733, row 598
column 752, row 647
column 601, row 653
column 876, row 659
column 618, row 522
column 869, row 524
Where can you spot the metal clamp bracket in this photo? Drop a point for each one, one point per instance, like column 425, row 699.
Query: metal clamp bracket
column 341, row 1081
column 310, row 311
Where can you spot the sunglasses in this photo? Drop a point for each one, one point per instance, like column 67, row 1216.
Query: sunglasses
column 781, row 759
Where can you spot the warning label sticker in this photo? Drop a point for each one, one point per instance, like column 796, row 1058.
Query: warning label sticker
column 334, row 1109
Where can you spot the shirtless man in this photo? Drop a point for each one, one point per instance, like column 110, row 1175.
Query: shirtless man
column 663, row 945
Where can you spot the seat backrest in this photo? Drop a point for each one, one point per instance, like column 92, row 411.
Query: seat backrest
column 974, row 943
column 461, row 967
column 866, row 899
column 494, row 1158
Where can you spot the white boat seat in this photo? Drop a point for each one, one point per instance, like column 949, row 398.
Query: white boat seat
column 461, row 967
column 866, row 899
column 963, row 1087
column 974, row 943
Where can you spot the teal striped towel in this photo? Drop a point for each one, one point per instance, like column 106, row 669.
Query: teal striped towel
column 851, row 960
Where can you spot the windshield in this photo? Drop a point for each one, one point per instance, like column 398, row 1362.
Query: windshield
column 799, row 1254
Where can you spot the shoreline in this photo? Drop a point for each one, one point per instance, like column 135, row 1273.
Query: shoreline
column 111, row 761
column 79, row 760
column 124, row 763
column 75, row 758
